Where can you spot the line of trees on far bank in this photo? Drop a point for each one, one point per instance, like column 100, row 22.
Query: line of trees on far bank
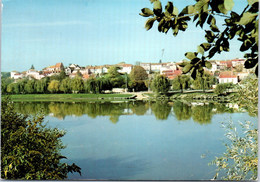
column 137, row 80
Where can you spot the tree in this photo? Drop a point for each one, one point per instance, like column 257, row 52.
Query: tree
column 222, row 88
column 77, row 85
column 10, row 88
column 62, row 75
column 116, row 79
column 138, row 73
column 160, row 84
column 54, row 86
column 4, row 84
column 204, row 81
column 30, row 150
column 32, row 67
column 138, row 76
column 65, row 85
column 248, row 95
column 29, row 87
column 181, row 82
column 5, row 75
column 243, row 25
column 240, row 161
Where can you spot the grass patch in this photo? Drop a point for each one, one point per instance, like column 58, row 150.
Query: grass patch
column 68, row 97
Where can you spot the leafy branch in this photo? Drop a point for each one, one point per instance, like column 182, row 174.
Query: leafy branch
column 244, row 26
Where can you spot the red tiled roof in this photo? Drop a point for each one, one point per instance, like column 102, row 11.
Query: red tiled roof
column 227, row 76
column 85, row 76
column 177, row 72
column 228, row 63
column 58, row 65
column 167, row 71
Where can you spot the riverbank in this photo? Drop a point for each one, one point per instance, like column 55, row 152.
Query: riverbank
column 192, row 97
column 69, row 97
column 119, row 97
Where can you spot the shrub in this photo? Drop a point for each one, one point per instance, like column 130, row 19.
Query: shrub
column 29, row 149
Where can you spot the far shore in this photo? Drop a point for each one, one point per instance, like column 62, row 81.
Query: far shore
column 81, row 97
column 69, row 97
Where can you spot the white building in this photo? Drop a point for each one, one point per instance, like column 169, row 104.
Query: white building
column 168, row 67
column 16, row 75
column 125, row 68
column 35, row 74
column 147, row 67
column 228, row 79
column 156, row 67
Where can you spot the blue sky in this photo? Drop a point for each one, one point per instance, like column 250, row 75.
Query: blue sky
column 90, row 32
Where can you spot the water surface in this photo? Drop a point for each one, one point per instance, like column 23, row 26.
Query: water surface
column 140, row 140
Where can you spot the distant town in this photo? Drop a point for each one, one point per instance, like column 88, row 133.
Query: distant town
column 226, row 71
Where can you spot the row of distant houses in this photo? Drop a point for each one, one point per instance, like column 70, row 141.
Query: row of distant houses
column 225, row 71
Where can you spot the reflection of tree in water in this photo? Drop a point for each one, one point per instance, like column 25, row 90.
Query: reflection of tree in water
column 181, row 110
column 199, row 113
column 31, row 108
column 161, row 110
column 202, row 114
column 139, row 107
column 222, row 108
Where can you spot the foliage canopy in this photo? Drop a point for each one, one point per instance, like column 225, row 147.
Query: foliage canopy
column 242, row 25
column 30, row 150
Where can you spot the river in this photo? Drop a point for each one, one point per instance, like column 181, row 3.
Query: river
column 140, row 140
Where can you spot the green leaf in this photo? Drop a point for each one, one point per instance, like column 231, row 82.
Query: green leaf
column 147, row 11
column 205, row 7
column 152, row 1
column 194, row 73
column 214, row 28
column 228, row 4
column 162, row 22
column 169, row 7
column 246, row 45
column 149, row 23
column 188, row 10
column 212, row 52
column 195, row 17
column 199, row 5
column 247, row 18
column 251, row 2
column 195, row 60
column 222, row 8
column 187, row 68
column 254, row 8
column 157, row 7
column 175, row 11
column 191, row 55
column 203, row 18
column 206, row 46
column 200, row 49
column 208, row 65
column 184, row 63
column 250, row 63
column 256, row 70
column 175, row 31
column 210, row 36
column 144, row 15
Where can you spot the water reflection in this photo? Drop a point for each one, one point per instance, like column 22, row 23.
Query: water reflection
column 201, row 113
column 126, row 167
